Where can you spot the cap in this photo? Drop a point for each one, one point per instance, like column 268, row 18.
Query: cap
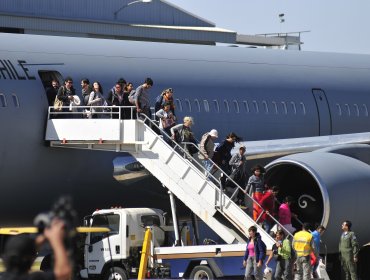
column 213, row 133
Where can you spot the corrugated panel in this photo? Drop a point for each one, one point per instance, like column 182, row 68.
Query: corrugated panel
column 155, row 13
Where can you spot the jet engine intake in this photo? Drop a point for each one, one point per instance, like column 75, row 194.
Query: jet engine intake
column 330, row 186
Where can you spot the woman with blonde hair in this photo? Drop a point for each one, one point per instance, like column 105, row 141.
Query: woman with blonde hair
column 182, row 134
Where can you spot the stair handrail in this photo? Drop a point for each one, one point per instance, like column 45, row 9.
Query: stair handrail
column 80, row 110
column 238, row 187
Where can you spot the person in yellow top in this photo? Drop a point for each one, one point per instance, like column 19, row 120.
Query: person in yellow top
column 303, row 245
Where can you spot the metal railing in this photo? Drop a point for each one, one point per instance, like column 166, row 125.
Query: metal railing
column 210, row 174
column 87, row 112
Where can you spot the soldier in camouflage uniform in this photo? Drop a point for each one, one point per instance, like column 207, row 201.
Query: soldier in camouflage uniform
column 348, row 249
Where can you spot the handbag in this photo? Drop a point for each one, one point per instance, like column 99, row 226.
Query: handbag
column 167, row 122
column 58, row 104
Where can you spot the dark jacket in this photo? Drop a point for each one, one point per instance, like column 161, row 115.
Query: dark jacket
column 259, row 248
column 63, row 94
column 113, row 99
column 222, row 155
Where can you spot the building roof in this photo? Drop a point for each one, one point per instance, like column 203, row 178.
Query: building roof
column 157, row 20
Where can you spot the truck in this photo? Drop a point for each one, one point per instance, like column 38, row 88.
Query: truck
column 116, row 255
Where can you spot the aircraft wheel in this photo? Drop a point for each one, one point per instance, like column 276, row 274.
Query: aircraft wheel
column 115, row 273
column 201, row 272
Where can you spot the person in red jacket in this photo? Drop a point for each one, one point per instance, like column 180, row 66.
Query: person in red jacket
column 268, row 204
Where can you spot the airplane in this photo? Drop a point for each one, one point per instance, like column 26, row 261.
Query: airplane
column 260, row 94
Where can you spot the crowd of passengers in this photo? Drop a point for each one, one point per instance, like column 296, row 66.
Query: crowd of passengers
column 233, row 175
column 65, row 99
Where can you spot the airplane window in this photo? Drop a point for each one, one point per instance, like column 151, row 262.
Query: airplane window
column 293, row 107
column 275, row 107
column 285, row 109
column 217, row 106
column 246, row 106
column 265, row 106
column 178, row 105
column 3, row 100
column 303, row 108
column 226, row 104
column 348, row 109
column 206, row 105
column 339, row 109
column 15, row 100
column 197, row 105
column 236, row 106
column 255, row 106
column 187, row 105
column 356, row 110
column 366, row 113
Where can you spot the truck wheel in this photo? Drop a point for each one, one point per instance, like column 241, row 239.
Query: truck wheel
column 201, row 272
column 115, row 273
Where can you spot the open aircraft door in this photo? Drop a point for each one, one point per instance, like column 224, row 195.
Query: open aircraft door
column 323, row 112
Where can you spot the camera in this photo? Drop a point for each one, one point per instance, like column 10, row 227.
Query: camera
column 63, row 210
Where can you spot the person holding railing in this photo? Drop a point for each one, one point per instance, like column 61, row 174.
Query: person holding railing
column 285, row 215
column 222, row 155
column 206, row 148
column 267, row 203
column 166, row 121
column 238, row 174
column 255, row 188
column 183, row 135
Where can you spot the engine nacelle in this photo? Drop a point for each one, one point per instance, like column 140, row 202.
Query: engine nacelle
column 330, row 186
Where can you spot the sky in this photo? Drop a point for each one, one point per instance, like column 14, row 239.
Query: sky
column 334, row 25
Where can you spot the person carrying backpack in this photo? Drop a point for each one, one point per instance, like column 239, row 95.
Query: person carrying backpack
column 254, row 256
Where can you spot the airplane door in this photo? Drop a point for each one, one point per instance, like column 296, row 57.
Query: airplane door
column 323, row 111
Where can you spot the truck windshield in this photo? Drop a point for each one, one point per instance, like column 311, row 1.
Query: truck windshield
column 110, row 221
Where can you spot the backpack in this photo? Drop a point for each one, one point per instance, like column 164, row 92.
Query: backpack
column 132, row 97
column 158, row 103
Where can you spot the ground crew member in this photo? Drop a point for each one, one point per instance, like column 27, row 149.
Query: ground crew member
column 303, row 244
column 348, row 249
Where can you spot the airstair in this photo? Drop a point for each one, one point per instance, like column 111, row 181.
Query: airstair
column 182, row 175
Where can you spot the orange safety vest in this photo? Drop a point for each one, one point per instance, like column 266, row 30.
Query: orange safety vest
column 302, row 243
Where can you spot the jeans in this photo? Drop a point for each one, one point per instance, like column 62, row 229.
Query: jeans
column 252, row 267
column 207, row 166
column 283, row 269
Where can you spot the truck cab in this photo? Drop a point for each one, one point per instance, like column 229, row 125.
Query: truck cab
column 117, row 253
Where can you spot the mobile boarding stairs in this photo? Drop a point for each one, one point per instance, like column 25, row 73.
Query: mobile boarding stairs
column 182, row 175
